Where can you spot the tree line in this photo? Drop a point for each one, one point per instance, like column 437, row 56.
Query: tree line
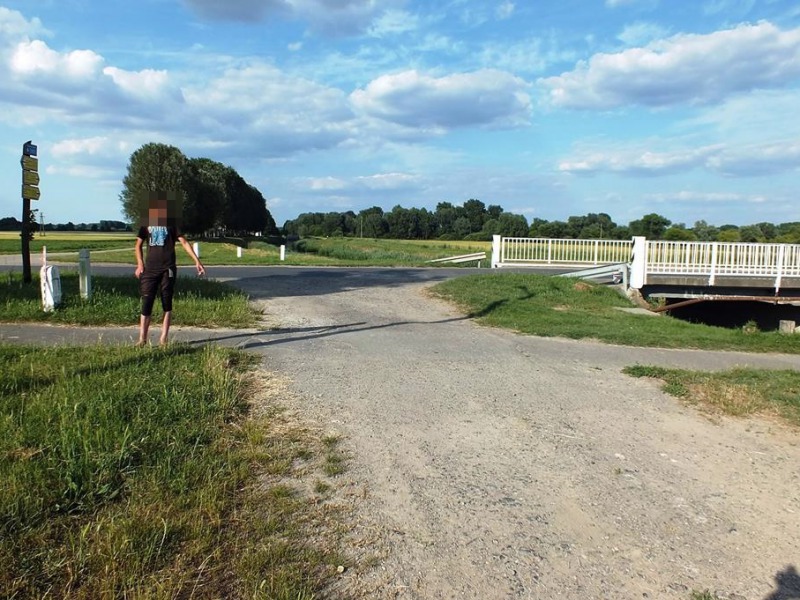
column 215, row 198
column 476, row 221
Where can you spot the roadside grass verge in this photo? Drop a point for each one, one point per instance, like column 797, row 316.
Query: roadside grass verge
column 737, row 392
column 148, row 474
column 116, row 301
column 565, row 307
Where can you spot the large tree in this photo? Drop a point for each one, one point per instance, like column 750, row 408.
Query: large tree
column 152, row 168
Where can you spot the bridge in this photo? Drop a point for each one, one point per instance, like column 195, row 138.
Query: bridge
column 668, row 269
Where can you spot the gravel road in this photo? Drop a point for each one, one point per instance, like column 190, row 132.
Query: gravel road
column 503, row 466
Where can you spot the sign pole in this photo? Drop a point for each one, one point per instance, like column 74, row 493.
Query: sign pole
column 30, row 191
column 26, row 240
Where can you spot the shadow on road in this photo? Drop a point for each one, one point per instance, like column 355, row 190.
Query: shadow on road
column 788, row 582
column 286, row 335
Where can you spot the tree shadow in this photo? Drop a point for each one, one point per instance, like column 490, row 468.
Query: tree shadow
column 273, row 337
column 788, row 585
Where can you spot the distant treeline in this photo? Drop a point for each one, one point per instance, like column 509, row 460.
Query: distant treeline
column 475, row 221
column 13, row 224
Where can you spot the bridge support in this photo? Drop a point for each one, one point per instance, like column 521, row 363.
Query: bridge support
column 638, row 276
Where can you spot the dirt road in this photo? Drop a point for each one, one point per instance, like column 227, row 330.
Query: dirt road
column 500, row 466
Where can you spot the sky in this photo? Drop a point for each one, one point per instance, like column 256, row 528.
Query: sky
column 548, row 108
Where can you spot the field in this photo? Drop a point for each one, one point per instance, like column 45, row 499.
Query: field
column 117, row 248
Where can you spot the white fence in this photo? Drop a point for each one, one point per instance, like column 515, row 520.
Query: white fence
column 706, row 259
column 544, row 251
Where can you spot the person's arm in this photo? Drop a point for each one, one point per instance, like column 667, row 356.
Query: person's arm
column 201, row 270
column 139, row 257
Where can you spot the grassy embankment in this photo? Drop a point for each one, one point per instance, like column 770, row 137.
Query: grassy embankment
column 554, row 306
column 139, row 474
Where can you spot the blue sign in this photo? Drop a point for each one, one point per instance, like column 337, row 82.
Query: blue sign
column 29, row 149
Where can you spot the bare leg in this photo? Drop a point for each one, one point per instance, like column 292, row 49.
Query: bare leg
column 144, row 327
column 165, row 327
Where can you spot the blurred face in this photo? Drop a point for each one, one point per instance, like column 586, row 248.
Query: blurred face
column 157, row 213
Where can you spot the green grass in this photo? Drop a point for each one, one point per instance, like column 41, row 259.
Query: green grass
column 565, row 307
column 737, row 392
column 116, row 301
column 57, row 241
column 118, row 249
column 139, row 474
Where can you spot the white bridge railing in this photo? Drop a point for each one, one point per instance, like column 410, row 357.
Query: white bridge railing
column 708, row 259
column 537, row 251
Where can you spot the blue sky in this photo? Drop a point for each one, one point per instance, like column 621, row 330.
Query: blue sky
column 549, row 108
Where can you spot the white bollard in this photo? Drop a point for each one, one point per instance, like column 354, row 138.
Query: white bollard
column 196, row 248
column 85, row 274
column 283, row 253
column 238, row 252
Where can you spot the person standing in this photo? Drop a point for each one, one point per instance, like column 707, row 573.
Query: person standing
column 158, row 270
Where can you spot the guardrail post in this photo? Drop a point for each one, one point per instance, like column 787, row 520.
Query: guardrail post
column 781, row 258
column 712, row 276
column 283, row 253
column 196, row 248
column 639, row 262
column 85, row 274
column 496, row 249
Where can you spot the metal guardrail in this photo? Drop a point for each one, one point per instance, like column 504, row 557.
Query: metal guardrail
column 475, row 256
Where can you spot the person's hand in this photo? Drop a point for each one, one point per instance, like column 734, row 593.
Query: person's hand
column 139, row 271
column 201, row 270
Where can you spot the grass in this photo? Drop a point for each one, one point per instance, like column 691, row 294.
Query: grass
column 738, row 392
column 139, row 474
column 116, row 301
column 565, row 307
column 117, row 248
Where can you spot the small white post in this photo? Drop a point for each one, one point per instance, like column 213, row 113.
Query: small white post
column 283, row 253
column 196, row 248
column 238, row 252
column 496, row 245
column 639, row 263
column 85, row 273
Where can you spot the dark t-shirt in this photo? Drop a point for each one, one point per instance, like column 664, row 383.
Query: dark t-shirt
column 160, row 242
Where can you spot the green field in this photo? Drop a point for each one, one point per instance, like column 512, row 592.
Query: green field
column 118, row 249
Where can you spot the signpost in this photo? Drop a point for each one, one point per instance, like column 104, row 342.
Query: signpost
column 30, row 191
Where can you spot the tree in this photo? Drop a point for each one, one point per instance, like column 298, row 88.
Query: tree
column 475, row 211
column 651, row 226
column 152, row 168
column 679, row 233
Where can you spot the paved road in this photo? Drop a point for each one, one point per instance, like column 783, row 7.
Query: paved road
column 500, row 466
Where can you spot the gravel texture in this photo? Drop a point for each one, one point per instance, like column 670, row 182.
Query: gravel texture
column 502, row 466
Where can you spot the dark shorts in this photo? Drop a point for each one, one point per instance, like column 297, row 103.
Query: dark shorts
column 159, row 282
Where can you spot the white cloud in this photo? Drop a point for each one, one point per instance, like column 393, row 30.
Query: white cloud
column 145, row 84
column 71, row 147
column 505, row 10
column 641, row 33
column 257, row 105
column 649, row 4
column 15, row 27
column 750, row 160
column 481, row 98
column 394, row 22
column 694, row 69
column 637, row 162
column 380, row 181
column 36, row 57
